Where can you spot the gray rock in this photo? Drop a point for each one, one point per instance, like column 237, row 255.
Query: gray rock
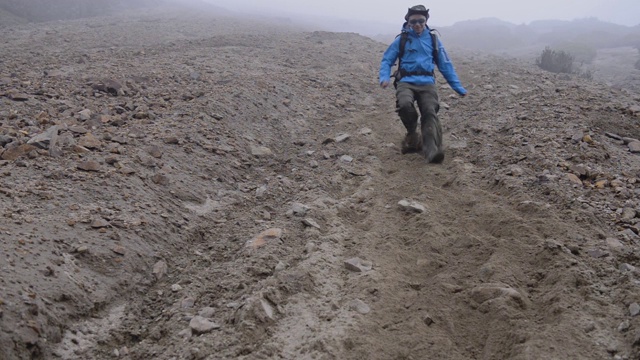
column 280, row 266
column 613, row 136
column 4, row 140
column 428, row 320
column 85, row 114
column 358, row 265
column 346, row 158
column 360, row 306
column 261, row 151
column 200, row 325
column 89, row 165
column 207, row 312
column 577, row 136
column 624, row 326
column 299, row 209
column 160, row 269
column 109, row 86
column 628, row 213
column 267, row 308
column 634, row 309
column 627, row 268
column 18, row 97
column 44, row 140
column 614, row 244
column 261, row 191
column 411, row 206
column 634, row 147
column 311, row 223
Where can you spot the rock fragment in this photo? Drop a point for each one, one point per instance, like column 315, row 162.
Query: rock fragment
column 360, row 307
column 44, row 139
column 358, row 265
column 411, row 206
column 264, row 238
column 261, row 151
column 634, row 147
column 89, row 165
column 160, row 269
column 311, row 223
column 200, row 325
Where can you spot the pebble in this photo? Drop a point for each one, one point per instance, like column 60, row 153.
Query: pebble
column 299, row 209
column 265, row 237
column 89, row 165
column 160, row 269
column 261, row 151
column 360, row 307
column 200, row 325
column 358, row 265
column 346, row 158
column 280, row 266
column 311, row 223
column 99, row 223
column 207, row 312
column 412, row 206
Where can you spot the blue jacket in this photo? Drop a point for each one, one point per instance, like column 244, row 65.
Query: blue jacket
column 418, row 56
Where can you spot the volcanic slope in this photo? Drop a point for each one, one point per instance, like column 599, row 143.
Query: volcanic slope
column 179, row 186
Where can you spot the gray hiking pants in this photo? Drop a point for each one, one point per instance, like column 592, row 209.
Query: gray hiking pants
column 427, row 98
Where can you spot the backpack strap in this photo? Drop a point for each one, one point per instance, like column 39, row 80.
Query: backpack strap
column 434, row 44
column 397, row 75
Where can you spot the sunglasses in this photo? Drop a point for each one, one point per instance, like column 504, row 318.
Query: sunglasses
column 417, row 21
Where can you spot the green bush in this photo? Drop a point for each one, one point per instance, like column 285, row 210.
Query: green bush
column 557, row 61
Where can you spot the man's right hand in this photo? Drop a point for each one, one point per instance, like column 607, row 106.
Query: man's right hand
column 384, row 84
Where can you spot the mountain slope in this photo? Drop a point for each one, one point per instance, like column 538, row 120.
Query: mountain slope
column 200, row 190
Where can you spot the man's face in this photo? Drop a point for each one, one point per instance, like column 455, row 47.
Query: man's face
column 418, row 23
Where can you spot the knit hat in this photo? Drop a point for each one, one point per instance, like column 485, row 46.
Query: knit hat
column 417, row 10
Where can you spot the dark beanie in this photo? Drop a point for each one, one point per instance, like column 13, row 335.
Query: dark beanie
column 417, row 10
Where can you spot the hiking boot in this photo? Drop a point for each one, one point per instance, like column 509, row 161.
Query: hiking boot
column 436, row 157
column 411, row 143
column 431, row 152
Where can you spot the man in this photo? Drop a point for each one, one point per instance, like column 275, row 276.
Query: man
column 416, row 82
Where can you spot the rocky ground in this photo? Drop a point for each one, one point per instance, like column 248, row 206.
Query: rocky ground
column 180, row 186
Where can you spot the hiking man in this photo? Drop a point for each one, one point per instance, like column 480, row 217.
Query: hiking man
column 415, row 81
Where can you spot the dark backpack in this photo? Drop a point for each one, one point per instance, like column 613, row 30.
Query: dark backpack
column 404, row 37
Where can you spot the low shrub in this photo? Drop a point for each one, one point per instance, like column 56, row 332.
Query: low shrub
column 556, row 61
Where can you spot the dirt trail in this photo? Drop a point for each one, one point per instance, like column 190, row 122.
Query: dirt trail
column 479, row 275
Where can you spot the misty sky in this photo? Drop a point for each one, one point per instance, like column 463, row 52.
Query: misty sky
column 447, row 12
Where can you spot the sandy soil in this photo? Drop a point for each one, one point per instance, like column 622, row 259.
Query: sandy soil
column 183, row 186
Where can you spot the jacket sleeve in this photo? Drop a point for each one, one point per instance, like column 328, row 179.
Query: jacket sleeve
column 388, row 59
column 446, row 68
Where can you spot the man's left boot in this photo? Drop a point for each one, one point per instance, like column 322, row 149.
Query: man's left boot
column 411, row 143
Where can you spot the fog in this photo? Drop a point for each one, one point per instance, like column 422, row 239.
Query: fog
column 448, row 12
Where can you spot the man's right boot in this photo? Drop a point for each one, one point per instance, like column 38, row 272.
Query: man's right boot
column 431, row 152
column 412, row 143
